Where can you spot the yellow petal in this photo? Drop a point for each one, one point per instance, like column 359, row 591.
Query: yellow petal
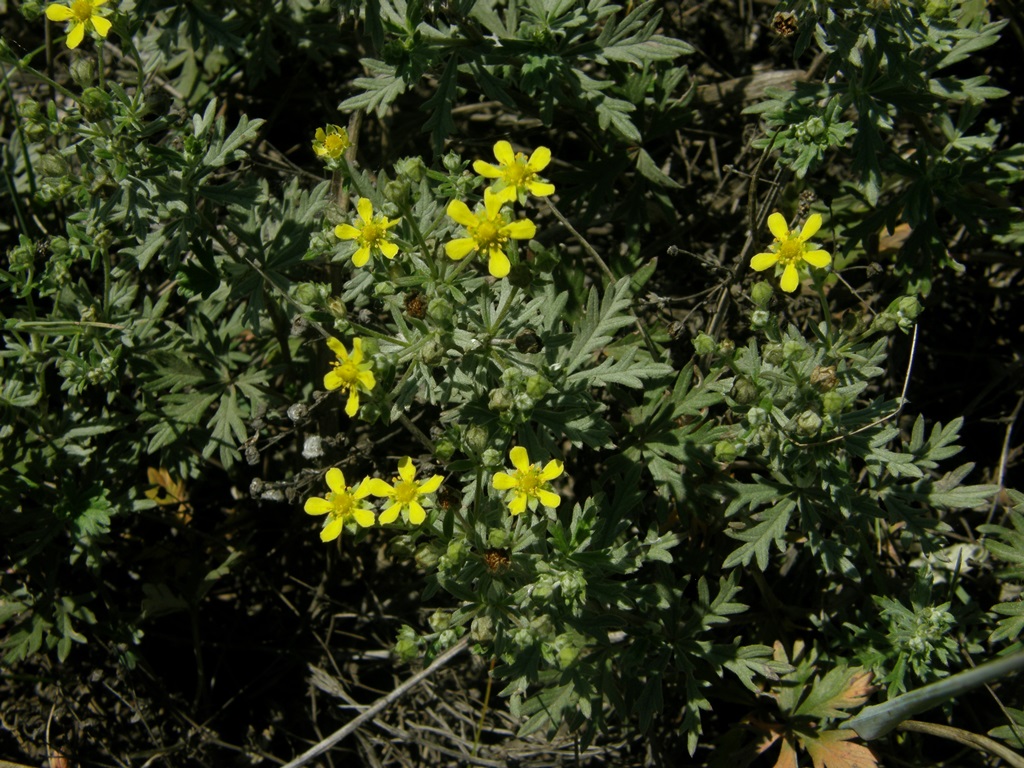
column 361, row 256
column 503, row 152
column 317, row 506
column 416, row 513
column 332, row 530
column 320, row 136
column 820, row 259
column 379, row 487
column 492, row 204
column 101, row 25
column 332, row 380
column 504, row 194
column 811, row 227
column 390, row 514
column 364, row 517
column 790, row 278
column 357, row 350
column 777, row 225
column 539, row 159
column 338, row 348
column 460, row 212
column 540, row 188
column 365, row 208
column 520, row 458
column 432, row 484
column 353, row 402
column 551, row 470
column 518, row 504
column 389, row 249
column 406, row 470
column 460, row 248
column 503, row 481
column 548, row 499
column 75, row 36
column 363, row 489
column 762, row 261
column 346, row 232
column 336, row 480
column 59, row 13
column 367, row 379
column 498, row 264
column 520, row 229
column 486, row 170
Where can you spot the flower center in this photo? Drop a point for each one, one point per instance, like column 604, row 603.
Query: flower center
column 529, row 482
column 371, row 233
column 335, row 146
column 791, row 250
column 487, row 234
column 348, row 373
column 406, row 491
column 342, row 503
column 518, row 172
column 82, row 10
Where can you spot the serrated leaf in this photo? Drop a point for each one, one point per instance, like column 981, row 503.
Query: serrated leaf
column 833, row 749
column 838, row 690
column 759, row 539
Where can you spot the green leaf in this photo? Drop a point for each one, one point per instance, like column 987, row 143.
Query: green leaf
column 770, row 528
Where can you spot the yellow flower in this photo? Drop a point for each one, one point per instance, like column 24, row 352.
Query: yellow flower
column 487, row 232
column 349, row 372
column 340, row 505
column 516, row 174
column 790, row 249
column 405, row 493
column 331, row 143
column 529, row 484
column 80, row 16
column 371, row 235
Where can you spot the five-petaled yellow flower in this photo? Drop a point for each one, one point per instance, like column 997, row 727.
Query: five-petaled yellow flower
column 371, row 235
column 331, row 142
column 487, row 232
column 340, row 505
column 349, row 372
column 790, row 249
column 405, row 493
column 516, row 175
column 81, row 15
column 529, row 484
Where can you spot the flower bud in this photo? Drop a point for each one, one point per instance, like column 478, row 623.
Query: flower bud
column 498, row 538
column 396, row 191
column 439, row 620
column 491, row 458
column 444, row 449
column 725, row 451
column 759, row 318
column 808, row 424
column 475, row 439
column 794, row 350
column 833, row 403
column 500, row 399
column 774, row 354
column 407, row 647
column 704, row 344
column 411, row 168
column 537, row 386
column 440, row 310
column 82, row 71
column 726, row 347
column 757, row 416
column 384, row 288
column 432, row 353
column 824, row 378
column 885, row 322
column 452, row 162
column 482, row 629
column 427, row 555
column 96, row 103
column 744, row 391
column 307, row 293
column 761, row 292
